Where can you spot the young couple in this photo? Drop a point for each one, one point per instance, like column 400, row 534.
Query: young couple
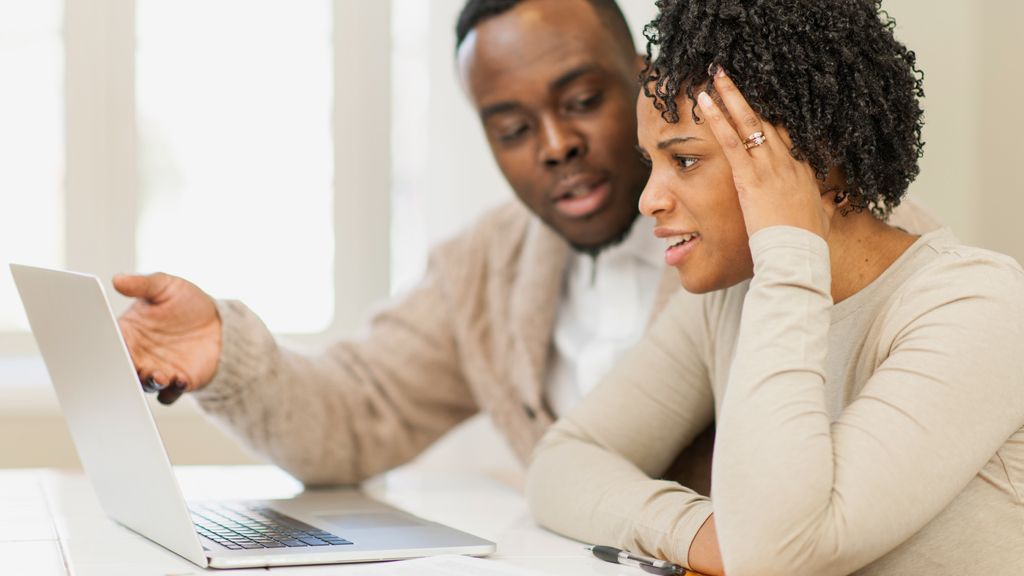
column 867, row 383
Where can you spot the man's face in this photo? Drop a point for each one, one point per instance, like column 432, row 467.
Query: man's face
column 555, row 90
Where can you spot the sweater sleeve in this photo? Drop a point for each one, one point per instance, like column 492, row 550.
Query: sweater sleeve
column 591, row 475
column 829, row 498
column 356, row 409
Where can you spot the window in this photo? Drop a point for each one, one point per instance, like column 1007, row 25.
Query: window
column 234, row 128
column 410, row 109
column 242, row 144
column 31, row 144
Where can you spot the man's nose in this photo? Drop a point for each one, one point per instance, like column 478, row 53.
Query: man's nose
column 560, row 144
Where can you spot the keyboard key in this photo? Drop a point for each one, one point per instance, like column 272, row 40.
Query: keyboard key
column 240, row 527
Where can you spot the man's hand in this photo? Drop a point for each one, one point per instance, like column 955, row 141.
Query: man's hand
column 172, row 331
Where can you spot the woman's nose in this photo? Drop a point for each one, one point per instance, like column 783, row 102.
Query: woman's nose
column 655, row 199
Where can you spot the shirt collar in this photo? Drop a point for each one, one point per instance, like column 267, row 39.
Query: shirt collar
column 639, row 243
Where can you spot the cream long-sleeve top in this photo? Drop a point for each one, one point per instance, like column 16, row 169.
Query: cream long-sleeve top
column 880, row 435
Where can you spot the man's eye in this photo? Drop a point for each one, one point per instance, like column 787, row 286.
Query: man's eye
column 512, row 134
column 586, row 103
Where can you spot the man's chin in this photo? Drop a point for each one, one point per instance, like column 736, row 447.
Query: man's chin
column 603, row 242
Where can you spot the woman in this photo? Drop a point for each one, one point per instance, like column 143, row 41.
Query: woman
column 868, row 385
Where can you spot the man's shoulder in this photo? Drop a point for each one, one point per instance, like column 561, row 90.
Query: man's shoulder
column 507, row 255
column 496, row 238
column 507, row 222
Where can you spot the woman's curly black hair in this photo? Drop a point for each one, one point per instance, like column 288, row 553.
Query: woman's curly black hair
column 831, row 72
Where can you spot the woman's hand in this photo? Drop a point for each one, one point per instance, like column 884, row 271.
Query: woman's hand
column 704, row 556
column 774, row 188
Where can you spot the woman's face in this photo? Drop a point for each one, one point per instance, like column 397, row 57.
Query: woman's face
column 691, row 196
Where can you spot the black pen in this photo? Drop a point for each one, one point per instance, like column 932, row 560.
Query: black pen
column 645, row 563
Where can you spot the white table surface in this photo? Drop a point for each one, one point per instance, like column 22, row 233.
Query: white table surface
column 51, row 523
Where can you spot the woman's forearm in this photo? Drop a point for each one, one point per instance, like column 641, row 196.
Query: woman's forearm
column 589, row 493
column 798, row 492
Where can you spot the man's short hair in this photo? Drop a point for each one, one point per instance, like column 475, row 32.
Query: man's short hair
column 476, row 11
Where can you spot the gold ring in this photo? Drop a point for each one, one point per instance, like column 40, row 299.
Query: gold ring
column 754, row 140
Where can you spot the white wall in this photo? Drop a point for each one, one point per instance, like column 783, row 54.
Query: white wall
column 974, row 87
column 1001, row 97
column 947, row 43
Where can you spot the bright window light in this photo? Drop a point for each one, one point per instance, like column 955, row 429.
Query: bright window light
column 234, row 105
column 31, row 144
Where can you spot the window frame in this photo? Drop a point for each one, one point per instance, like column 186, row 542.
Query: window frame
column 101, row 155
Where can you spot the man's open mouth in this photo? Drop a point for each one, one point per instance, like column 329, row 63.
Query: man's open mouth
column 581, row 196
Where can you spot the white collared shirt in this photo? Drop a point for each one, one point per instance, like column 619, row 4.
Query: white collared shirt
column 604, row 309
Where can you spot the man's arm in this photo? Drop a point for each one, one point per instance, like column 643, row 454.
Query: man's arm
column 358, row 408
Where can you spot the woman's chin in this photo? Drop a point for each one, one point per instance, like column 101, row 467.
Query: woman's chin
column 711, row 280
column 693, row 283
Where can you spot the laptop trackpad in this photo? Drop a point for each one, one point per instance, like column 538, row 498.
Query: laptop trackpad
column 369, row 520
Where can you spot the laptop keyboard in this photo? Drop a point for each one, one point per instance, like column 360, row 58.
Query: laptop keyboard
column 241, row 527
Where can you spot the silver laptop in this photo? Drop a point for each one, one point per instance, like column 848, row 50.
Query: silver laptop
column 124, row 457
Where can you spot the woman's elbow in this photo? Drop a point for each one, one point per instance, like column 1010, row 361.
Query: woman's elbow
column 770, row 553
column 541, row 479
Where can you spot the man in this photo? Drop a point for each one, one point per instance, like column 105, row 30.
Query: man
column 518, row 316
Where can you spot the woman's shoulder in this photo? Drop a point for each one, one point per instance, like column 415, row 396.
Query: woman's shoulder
column 960, row 266
column 944, row 271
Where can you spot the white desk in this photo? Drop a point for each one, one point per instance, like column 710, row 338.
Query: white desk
column 51, row 523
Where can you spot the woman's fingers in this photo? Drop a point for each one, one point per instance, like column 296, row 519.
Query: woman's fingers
column 745, row 120
column 731, row 144
column 774, row 188
column 784, row 137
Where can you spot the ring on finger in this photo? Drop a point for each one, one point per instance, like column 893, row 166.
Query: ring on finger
column 754, row 140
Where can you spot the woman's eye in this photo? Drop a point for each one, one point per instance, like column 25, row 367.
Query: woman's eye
column 685, row 162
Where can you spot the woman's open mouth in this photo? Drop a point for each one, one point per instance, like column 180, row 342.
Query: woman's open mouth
column 679, row 247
